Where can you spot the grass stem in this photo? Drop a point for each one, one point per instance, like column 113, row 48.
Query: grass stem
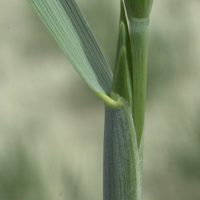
column 139, row 47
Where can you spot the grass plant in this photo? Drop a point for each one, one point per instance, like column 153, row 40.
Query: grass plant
column 124, row 91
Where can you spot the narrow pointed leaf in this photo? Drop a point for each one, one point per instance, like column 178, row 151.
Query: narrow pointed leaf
column 128, row 43
column 121, row 80
column 68, row 26
column 124, row 39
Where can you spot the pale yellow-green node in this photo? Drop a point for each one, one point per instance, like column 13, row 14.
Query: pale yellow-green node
column 114, row 100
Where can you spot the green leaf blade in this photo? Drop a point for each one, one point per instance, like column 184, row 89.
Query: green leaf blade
column 71, row 31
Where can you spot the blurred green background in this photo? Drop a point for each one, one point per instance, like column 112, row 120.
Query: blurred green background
column 51, row 124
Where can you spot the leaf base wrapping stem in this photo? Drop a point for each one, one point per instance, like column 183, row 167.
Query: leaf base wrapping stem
column 122, row 173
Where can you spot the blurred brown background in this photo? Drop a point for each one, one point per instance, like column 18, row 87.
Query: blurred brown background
column 51, row 124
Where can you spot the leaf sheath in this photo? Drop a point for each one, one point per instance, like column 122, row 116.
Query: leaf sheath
column 122, row 176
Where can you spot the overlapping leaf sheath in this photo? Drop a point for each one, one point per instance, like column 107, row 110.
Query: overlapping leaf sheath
column 122, row 179
column 137, row 15
column 130, row 83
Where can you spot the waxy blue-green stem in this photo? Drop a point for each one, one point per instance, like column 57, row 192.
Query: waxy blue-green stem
column 123, row 146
